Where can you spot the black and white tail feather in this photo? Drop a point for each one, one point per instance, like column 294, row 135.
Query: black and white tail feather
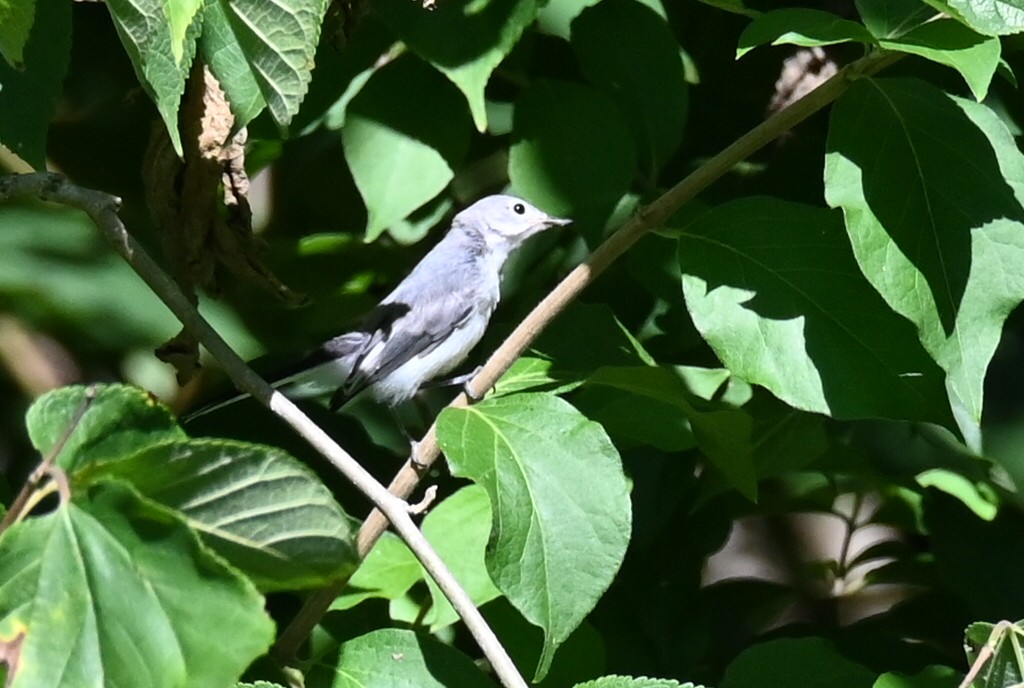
column 429, row 323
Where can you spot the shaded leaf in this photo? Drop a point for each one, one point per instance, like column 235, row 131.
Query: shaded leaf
column 390, row 658
column 401, row 156
column 796, row 663
column 553, row 161
column 628, row 50
column 929, row 677
column 774, row 289
column 110, row 592
column 892, row 18
column 464, row 39
column 722, row 433
column 804, row 27
column 931, row 186
column 554, row 547
column 29, row 94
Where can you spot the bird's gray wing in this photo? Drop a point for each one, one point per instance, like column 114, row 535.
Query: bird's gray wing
column 402, row 331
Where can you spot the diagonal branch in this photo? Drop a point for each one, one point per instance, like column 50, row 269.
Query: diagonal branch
column 648, row 218
column 102, row 209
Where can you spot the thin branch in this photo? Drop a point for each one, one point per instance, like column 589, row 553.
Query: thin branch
column 27, row 499
column 102, row 209
column 633, row 230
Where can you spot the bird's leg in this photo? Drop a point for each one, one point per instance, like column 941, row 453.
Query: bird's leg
column 413, row 444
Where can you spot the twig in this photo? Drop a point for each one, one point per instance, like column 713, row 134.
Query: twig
column 25, row 501
column 654, row 215
column 102, row 209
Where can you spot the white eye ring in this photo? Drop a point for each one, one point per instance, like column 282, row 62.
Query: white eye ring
column 519, row 209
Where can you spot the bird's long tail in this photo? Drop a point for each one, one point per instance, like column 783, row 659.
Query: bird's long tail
column 319, row 374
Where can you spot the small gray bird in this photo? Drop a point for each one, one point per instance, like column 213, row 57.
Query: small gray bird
column 433, row 318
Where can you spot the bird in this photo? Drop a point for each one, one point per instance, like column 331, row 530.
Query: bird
column 430, row 322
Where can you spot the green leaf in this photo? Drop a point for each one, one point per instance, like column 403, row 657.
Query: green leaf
column 931, row 189
column 401, row 156
column 627, row 50
column 262, row 510
column 556, row 16
column 582, row 339
column 392, row 658
column 464, row 39
column 109, row 592
column 1006, row 665
column 795, row 663
column 734, row 6
column 120, row 421
column 262, row 53
column 929, row 677
column 29, row 94
column 458, row 528
column 631, row 682
column 161, row 64
column 951, row 43
column 387, row 572
column 774, row 289
column 723, row 434
column 553, row 161
column 180, row 14
column 893, row 18
column 802, row 27
column 990, row 17
column 16, row 18
column 984, row 506
column 554, row 547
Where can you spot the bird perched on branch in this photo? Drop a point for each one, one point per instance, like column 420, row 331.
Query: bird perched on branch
column 430, row 322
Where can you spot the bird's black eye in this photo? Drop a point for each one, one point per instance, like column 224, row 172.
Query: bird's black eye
column 519, row 208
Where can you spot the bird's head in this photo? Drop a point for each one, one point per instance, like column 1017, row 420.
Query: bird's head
column 507, row 220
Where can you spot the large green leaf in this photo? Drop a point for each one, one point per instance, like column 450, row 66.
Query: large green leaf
column 29, row 93
column 108, row 592
column 262, row 510
column 990, row 17
column 16, row 18
column 951, row 43
column 775, row 290
column 120, row 421
column 161, row 63
column 627, row 50
column 402, row 156
column 804, row 27
column 262, row 53
column 555, row 543
column 392, row 658
column 464, row 39
column 553, row 160
column 931, row 188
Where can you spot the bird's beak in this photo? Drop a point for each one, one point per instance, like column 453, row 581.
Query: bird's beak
column 556, row 222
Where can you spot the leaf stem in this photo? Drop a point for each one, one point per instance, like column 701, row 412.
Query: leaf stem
column 30, row 494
